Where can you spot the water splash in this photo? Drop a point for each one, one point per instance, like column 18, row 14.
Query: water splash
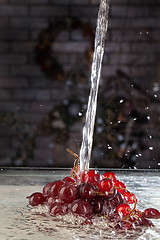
column 102, row 24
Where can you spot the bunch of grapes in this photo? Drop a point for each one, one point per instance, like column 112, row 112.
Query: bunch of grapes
column 95, row 196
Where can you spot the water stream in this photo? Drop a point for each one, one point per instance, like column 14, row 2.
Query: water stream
column 88, row 129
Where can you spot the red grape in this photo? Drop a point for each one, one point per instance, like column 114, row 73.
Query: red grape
column 67, row 192
column 151, row 213
column 58, row 209
column 108, row 208
column 46, row 189
column 69, row 179
column 110, row 175
column 81, row 207
column 129, row 197
column 36, row 198
column 117, row 200
column 97, row 204
column 123, row 209
column 110, row 195
column 119, row 186
column 86, row 191
column 142, row 221
column 55, row 187
column 92, row 177
column 105, row 185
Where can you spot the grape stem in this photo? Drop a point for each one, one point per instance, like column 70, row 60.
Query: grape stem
column 74, row 154
column 76, row 163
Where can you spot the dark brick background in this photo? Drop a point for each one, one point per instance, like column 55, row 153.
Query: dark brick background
column 133, row 43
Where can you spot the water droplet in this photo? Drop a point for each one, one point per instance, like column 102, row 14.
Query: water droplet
column 121, row 101
column 99, row 120
column 146, row 108
column 80, row 114
column 140, row 33
column 65, row 102
column 151, row 148
column 119, row 121
column 155, row 95
column 99, row 129
column 135, row 119
column 155, row 87
column 148, row 117
column 159, row 164
column 109, row 147
column 110, row 122
column 120, row 137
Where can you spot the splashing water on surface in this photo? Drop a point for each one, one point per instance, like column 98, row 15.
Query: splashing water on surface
column 19, row 222
column 86, row 147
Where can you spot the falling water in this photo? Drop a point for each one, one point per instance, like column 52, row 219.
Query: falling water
column 102, row 24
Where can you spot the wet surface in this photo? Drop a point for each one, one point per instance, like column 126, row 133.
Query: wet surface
column 18, row 221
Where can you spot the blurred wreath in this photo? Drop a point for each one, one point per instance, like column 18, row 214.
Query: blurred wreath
column 44, row 55
column 59, row 120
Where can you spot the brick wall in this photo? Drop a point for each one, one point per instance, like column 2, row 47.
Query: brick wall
column 132, row 46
